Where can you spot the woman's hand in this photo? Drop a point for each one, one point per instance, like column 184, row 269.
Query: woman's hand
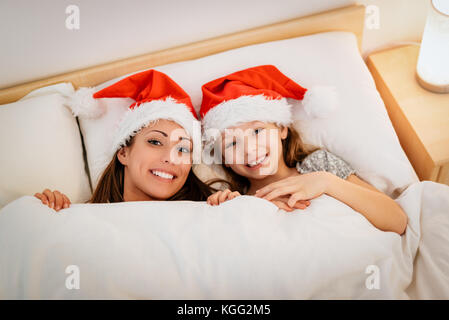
column 222, row 196
column 55, row 200
column 302, row 187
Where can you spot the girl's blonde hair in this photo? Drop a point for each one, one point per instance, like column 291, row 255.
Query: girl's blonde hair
column 293, row 150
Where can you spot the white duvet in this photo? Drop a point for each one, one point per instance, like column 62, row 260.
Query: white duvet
column 243, row 249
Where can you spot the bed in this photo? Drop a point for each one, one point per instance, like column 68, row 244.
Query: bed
column 246, row 248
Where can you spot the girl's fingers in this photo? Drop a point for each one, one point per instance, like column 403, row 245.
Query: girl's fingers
column 280, row 192
column 51, row 198
column 263, row 191
column 282, row 205
column 300, row 206
column 59, row 200
column 294, row 198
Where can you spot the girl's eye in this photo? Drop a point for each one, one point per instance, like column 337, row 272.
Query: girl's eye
column 184, row 150
column 258, row 130
column 155, row 142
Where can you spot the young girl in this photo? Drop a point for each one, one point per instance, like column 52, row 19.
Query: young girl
column 247, row 118
column 152, row 149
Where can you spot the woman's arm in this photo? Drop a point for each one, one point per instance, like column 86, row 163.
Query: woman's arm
column 382, row 211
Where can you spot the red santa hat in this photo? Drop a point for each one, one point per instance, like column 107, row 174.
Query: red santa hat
column 259, row 93
column 156, row 96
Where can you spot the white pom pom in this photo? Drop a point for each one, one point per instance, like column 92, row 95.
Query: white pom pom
column 83, row 104
column 320, row 101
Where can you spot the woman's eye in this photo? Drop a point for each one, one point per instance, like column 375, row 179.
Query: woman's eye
column 258, row 130
column 233, row 143
column 155, row 142
column 184, row 150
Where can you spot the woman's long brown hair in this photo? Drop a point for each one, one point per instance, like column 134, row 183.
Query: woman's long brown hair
column 293, row 150
column 111, row 183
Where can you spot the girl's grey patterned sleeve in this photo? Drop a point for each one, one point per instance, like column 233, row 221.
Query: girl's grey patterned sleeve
column 322, row 160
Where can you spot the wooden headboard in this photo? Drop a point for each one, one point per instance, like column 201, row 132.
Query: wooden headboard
column 350, row 18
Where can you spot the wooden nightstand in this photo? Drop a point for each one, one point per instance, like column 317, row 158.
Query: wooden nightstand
column 420, row 117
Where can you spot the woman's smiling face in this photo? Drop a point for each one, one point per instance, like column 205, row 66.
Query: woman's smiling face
column 157, row 163
column 253, row 149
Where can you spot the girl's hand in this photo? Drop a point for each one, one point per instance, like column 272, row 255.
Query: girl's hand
column 221, row 196
column 302, row 187
column 281, row 202
column 55, row 200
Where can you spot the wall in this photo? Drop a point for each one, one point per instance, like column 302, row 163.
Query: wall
column 35, row 42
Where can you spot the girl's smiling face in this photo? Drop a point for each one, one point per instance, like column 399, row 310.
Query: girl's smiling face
column 157, row 163
column 253, row 149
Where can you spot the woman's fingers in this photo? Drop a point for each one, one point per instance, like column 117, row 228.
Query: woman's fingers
column 54, row 199
column 67, row 202
column 59, row 200
column 41, row 197
column 212, row 199
column 223, row 196
column 234, row 194
column 51, row 198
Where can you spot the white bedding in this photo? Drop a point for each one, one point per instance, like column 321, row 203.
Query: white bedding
column 243, row 249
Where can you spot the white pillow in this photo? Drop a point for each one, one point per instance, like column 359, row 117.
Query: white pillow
column 359, row 131
column 42, row 148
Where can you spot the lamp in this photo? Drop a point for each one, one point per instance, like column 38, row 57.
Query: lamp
column 433, row 62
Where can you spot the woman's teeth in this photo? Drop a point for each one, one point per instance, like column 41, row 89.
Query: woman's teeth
column 255, row 163
column 162, row 174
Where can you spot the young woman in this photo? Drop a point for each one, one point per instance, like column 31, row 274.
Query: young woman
column 153, row 147
column 265, row 156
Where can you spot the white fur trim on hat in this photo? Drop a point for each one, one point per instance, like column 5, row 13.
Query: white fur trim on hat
column 246, row 109
column 83, row 104
column 320, row 101
column 169, row 109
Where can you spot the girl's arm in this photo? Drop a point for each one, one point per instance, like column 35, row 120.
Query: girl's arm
column 382, row 211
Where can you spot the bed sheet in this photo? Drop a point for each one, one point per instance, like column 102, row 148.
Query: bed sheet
column 246, row 248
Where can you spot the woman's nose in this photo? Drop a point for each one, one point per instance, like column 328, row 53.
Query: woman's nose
column 166, row 157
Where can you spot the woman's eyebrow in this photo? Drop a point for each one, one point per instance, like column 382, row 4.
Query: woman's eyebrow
column 162, row 132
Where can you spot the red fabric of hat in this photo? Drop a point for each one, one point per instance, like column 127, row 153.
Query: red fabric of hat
column 147, row 86
column 264, row 80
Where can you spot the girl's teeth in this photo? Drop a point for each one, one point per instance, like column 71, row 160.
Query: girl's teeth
column 257, row 162
column 162, row 174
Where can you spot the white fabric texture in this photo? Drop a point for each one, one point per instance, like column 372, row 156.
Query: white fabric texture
column 359, row 130
column 246, row 109
column 245, row 248
column 42, row 147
